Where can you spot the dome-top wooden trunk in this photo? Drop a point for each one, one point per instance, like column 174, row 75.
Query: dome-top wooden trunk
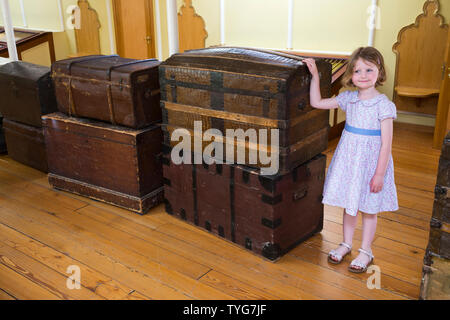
column 238, row 88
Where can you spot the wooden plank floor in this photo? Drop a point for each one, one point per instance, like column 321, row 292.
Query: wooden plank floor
column 122, row 255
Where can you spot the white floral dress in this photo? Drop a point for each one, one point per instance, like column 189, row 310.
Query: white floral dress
column 355, row 159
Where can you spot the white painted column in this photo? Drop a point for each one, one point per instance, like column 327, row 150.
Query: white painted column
column 24, row 18
column 222, row 22
column 9, row 30
column 61, row 15
column 112, row 45
column 158, row 31
column 372, row 22
column 172, row 26
column 290, row 24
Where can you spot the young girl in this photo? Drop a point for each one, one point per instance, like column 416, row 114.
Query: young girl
column 360, row 176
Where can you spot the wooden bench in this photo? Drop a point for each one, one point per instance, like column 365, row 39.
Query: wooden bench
column 420, row 50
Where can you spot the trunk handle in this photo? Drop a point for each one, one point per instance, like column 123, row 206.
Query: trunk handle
column 300, row 194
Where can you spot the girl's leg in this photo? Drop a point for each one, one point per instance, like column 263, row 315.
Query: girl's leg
column 369, row 224
column 348, row 226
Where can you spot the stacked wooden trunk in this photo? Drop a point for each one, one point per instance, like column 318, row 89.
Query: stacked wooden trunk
column 219, row 89
column 436, row 268
column 26, row 93
column 106, row 141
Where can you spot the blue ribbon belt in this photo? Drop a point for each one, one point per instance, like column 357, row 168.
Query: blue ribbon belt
column 365, row 132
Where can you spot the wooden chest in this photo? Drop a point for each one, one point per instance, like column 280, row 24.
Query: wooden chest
column 109, row 88
column 439, row 240
column 25, row 144
column 265, row 214
column 436, row 263
column 26, row 92
column 246, row 89
column 113, row 164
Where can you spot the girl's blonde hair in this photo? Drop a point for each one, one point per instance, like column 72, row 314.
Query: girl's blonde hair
column 369, row 54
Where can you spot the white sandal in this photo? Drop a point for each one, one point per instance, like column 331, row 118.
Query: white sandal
column 339, row 257
column 362, row 267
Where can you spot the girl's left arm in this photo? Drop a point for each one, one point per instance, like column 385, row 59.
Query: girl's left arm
column 376, row 184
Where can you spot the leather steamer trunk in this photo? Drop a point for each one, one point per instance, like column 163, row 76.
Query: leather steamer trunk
column 238, row 88
column 113, row 164
column 26, row 92
column 436, row 262
column 109, row 88
column 268, row 215
column 25, row 144
column 439, row 239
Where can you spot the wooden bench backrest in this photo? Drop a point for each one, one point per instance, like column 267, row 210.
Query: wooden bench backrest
column 420, row 50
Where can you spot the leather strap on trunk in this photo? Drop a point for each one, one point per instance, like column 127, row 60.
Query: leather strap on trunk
column 72, row 108
column 108, row 87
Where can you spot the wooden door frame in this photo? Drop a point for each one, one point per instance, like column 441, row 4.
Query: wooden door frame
column 443, row 113
column 149, row 8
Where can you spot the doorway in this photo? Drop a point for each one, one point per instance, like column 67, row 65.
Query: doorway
column 135, row 36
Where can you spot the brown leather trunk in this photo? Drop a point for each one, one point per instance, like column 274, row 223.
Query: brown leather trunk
column 109, row 88
column 436, row 262
column 113, row 164
column 25, row 144
column 237, row 88
column 265, row 214
column 439, row 237
column 26, row 92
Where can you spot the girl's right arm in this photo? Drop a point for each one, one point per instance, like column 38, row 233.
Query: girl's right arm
column 315, row 98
